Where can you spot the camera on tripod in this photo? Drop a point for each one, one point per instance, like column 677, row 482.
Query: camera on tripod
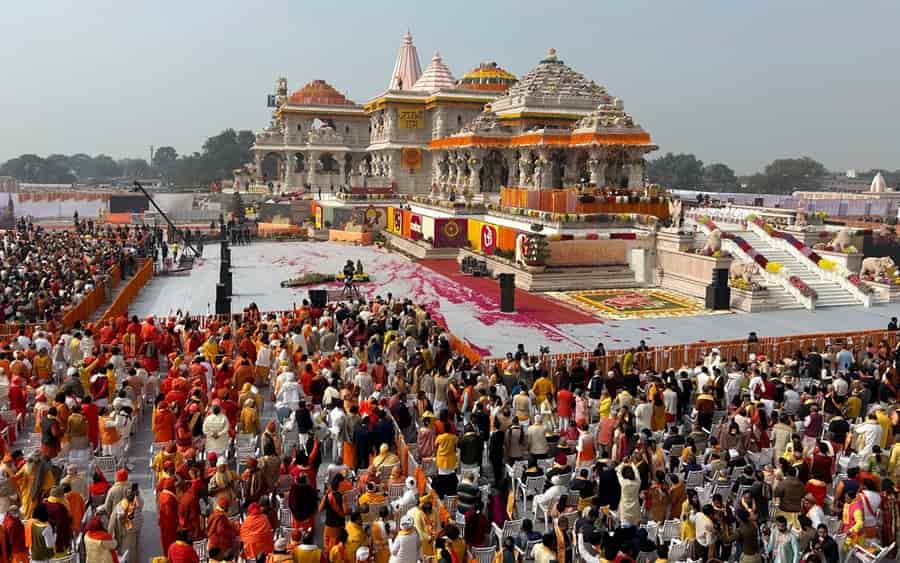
column 544, row 350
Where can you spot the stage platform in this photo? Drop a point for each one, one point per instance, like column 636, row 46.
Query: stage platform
column 470, row 306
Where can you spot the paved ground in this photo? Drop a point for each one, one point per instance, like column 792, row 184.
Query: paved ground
column 471, row 313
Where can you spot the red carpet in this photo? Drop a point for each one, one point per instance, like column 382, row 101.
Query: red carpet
column 540, row 309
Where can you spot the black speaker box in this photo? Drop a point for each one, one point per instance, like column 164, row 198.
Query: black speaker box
column 720, row 277
column 318, row 298
column 718, row 298
column 507, row 293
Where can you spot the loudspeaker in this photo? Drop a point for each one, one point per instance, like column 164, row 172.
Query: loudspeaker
column 318, row 298
column 720, row 277
column 223, row 300
column 718, row 298
column 507, row 293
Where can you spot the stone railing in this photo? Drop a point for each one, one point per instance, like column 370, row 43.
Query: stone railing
column 780, row 278
column 812, row 261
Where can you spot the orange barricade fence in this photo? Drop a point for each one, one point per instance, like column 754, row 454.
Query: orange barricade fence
column 83, row 311
column 115, row 276
column 126, row 296
column 687, row 355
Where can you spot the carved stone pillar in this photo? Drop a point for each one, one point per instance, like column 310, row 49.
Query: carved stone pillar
column 392, row 165
column 342, row 169
column 258, row 159
column 463, row 167
column 475, row 165
column 542, row 171
column 312, row 162
column 290, row 167
column 597, row 166
column 452, row 170
column 525, row 168
column 512, row 164
column 570, row 177
column 636, row 173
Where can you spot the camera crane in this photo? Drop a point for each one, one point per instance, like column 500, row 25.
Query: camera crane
column 139, row 188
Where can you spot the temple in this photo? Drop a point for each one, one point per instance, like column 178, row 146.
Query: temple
column 430, row 133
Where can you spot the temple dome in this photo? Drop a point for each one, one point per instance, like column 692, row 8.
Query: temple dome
column 318, row 93
column 435, row 77
column 552, row 77
column 488, row 77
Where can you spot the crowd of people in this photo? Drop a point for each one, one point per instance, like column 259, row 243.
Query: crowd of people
column 356, row 433
column 44, row 273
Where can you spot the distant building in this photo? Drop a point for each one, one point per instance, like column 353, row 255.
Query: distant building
column 9, row 185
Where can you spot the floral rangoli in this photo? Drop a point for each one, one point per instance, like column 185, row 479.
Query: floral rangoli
column 623, row 304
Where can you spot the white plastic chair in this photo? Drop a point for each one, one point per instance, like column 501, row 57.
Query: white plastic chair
column 483, row 554
column 671, row 530
column 531, row 487
column 511, row 528
column 865, row 557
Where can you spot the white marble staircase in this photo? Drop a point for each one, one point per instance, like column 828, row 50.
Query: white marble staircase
column 830, row 294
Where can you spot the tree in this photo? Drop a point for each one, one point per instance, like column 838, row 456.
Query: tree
column 719, row 178
column 33, row 169
column 678, row 171
column 164, row 160
column 785, row 175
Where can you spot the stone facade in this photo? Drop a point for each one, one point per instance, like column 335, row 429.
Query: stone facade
column 554, row 128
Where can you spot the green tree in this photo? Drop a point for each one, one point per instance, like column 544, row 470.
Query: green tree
column 31, row 168
column 678, row 171
column 164, row 162
column 785, row 175
column 719, row 177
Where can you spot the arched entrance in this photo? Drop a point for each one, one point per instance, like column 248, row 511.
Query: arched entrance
column 271, row 167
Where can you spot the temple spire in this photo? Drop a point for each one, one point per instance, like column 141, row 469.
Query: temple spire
column 407, row 69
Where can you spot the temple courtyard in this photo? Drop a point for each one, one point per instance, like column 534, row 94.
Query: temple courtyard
column 469, row 306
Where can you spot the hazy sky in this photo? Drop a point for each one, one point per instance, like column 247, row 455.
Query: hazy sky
column 736, row 82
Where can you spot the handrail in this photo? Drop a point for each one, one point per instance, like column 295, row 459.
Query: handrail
column 707, row 226
column 810, row 262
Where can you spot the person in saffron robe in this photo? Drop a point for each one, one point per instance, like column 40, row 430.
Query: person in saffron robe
column 35, row 481
column 302, row 500
column 253, row 482
column 221, row 532
column 99, row 543
column 189, row 516
column 181, row 551
column 168, row 516
column 332, row 504
column 125, row 522
column 256, row 533
column 163, row 423
column 59, row 518
column 76, row 506
column 51, row 434
column 15, row 536
column 92, row 414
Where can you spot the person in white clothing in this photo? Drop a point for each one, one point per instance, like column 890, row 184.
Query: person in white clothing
column 215, row 428
column 406, row 547
column 287, row 399
column 869, row 435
